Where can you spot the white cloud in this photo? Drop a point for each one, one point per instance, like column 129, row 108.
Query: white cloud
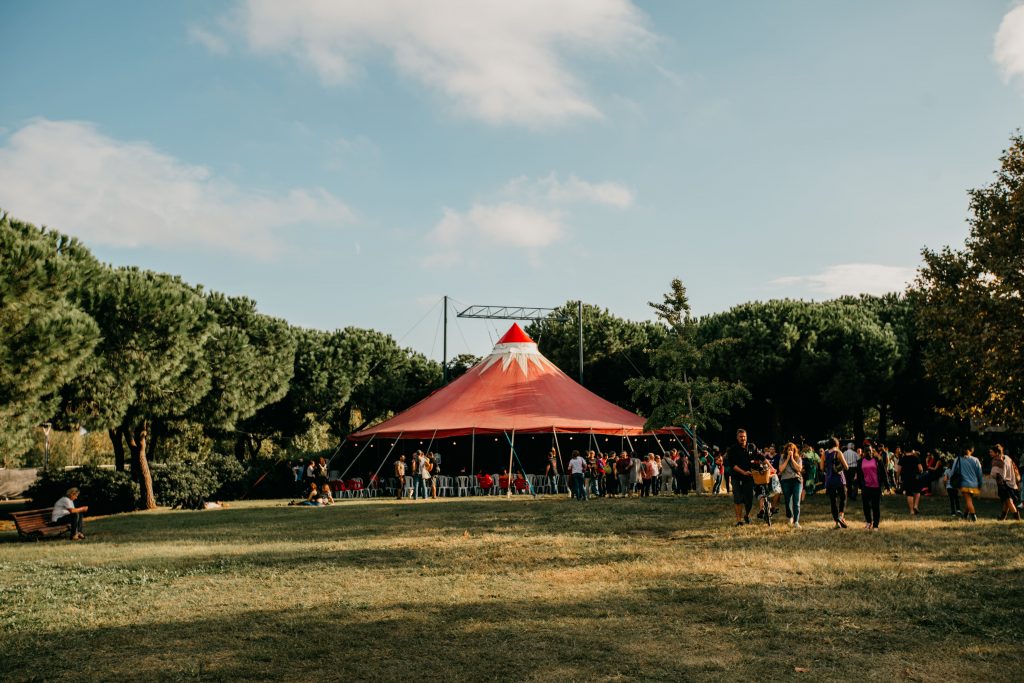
column 1009, row 44
column 853, row 278
column 526, row 214
column 214, row 42
column 498, row 61
column 550, row 189
column 68, row 175
column 501, row 225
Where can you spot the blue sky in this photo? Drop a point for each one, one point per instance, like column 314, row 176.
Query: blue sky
column 350, row 163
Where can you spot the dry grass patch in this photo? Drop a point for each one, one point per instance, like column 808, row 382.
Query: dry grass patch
column 537, row 590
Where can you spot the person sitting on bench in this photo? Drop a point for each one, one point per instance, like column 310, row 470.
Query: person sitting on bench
column 65, row 512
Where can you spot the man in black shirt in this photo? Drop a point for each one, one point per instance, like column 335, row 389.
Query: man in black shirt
column 739, row 457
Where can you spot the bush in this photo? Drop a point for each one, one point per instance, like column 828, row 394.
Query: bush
column 232, row 477
column 105, row 491
column 190, row 482
column 184, row 484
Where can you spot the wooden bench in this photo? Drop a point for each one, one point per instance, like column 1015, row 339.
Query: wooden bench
column 35, row 524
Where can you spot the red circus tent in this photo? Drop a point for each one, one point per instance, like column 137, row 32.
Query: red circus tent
column 514, row 389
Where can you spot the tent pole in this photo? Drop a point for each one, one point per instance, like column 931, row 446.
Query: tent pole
column 393, row 444
column 558, row 449
column 511, row 452
column 472, row 454
column 342, row 475
column 658, row 441
column 521, row 468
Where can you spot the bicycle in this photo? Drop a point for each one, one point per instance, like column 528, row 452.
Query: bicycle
column 762, row 479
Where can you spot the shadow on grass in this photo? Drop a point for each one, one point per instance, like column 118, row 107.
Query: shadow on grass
column 674, row 634
column 684, row 619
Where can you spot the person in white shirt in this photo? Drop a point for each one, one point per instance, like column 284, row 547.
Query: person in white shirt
column 65, row 512
column 853, row 462
column 577, row 466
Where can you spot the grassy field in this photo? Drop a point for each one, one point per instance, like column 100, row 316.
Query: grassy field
column 534, row 590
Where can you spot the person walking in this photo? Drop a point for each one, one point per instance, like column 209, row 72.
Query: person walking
column 601, row 474
column 951, row 491
column 739, row 456
column 551, row 470
column 909, row 470
column 791, row 477
column 871, row 479
column 622, row 468
column 417, row 474
column 835, row 483
column 852, row 458
column 429, row 482
column 718, row 472
column 635, row 472
column 400, row 477
column 667, row 473
column 966, row 475
column 684, row 474
column 577, row 466
column 1005, row 473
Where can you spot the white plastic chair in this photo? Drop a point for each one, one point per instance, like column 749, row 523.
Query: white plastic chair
column 462, row 485
column 444, row 485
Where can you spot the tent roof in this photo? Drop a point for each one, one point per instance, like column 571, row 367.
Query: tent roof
column 514, row 388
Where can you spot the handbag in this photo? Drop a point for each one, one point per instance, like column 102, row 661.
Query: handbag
column 955, row 478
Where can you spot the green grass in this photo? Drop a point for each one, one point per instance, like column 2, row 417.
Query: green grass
column 491, row 589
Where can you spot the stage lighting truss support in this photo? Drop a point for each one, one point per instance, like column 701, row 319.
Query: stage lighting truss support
column 534, row 313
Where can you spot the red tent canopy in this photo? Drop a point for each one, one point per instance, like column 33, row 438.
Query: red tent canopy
column 514, row 388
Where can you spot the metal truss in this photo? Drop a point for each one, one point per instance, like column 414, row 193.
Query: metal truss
column 513, row 313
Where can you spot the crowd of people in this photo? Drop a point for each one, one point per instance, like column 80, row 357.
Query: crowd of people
column 784, row 478
column 868, row 471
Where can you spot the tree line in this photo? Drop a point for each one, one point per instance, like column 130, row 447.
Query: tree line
column 139, row 354
column 143, row 356
column 928, row 366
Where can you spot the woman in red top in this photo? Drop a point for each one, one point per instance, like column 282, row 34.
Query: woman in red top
column 485, row 482
column 646, row 474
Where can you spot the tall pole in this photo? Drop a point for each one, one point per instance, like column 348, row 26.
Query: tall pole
column 579, row 312
column 46, row 447
column 445, row 361
column 698, row 478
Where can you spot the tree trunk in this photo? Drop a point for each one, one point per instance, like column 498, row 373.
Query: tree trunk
column 883, row 422
column 858, row 425
column 240, row 443
column 152, row 454
column 118, row 443
column 140, row 464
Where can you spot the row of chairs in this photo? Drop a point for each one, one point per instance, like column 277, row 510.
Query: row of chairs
column 537, row 483
column 458, row 487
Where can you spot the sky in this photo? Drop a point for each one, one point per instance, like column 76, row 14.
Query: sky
column 350, row 163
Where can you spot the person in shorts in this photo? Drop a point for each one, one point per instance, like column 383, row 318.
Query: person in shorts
column 739, row 456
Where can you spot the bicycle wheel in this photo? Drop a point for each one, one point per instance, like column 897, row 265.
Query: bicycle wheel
column 767, row 510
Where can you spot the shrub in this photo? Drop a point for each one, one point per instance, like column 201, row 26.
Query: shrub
column 184, row 484
column 232, row 477
column 105, row 491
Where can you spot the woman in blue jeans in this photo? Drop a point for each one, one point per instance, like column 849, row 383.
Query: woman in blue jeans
column 791, row 467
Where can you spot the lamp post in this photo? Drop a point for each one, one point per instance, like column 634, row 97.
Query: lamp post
column 46, row 447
